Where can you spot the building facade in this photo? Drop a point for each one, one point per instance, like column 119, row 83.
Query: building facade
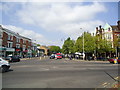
column 112, row 34
column 14, row 44
column 43, row 50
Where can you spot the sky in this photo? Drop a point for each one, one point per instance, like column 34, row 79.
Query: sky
column 50, row 23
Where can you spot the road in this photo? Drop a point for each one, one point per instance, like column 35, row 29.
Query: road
column 50, row 73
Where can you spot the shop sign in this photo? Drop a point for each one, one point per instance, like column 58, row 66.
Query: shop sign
column 17, row 49
column 10, row 49
column 2, row 48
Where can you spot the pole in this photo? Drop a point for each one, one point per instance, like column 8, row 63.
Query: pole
column 83, row 45
column 116, row 52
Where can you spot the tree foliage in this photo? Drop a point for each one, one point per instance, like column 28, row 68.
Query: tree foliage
column 54, row 49
column 89, row 43
column 68, row 46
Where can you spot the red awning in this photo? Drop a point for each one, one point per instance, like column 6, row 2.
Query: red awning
column 17, row 49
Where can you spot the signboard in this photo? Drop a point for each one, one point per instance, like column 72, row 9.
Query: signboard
column 10, row 49
column 2, row 48
column 18, row 50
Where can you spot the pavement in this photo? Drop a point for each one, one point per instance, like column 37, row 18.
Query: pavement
column 63, row 73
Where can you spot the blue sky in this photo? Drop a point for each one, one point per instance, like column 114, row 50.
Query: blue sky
column 49, row 23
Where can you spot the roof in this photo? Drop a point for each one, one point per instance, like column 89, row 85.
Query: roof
column 14, row 33
column 115, row 28
column 106, row 26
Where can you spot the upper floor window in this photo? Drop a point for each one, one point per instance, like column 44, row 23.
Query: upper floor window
column 10, row 44
column 118, row 36
column 10, row 37
column 109, row 36
column 0, row 36
column 17, row 45
column 24, row 41
column 18, row 40
column 24, row 47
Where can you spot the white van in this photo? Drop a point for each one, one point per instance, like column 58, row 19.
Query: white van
column 4, row 65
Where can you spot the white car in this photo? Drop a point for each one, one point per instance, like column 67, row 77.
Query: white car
column 4, row 65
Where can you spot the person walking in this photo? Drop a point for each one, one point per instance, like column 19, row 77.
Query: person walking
column 115, row 61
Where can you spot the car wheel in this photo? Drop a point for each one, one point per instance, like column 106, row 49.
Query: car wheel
column 4, row 69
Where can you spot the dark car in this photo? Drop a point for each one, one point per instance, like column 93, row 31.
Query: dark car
column 111, row 60
column 52, row 56
column 13, row 58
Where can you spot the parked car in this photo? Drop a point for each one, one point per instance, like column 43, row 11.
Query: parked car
column 58, row 56
column 13, row 58
column 52, row 56
column 4, row 65
column 111, row 60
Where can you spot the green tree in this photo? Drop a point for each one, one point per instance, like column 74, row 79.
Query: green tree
column 103, row 46
column 54, row 49
column 68, row 46
column 38, row 44
column 89, row 43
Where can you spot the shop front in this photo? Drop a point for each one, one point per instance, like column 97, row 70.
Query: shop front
column 10, row 51
column 2, row 51
column 18, row 52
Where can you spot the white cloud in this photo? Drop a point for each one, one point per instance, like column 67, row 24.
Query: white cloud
column 31, row 34
column 61, row 17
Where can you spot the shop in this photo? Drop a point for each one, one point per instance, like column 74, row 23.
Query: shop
column 18, row 52
column 2, row 51
column 10, row 51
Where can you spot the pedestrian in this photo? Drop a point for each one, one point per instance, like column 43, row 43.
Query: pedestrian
column 115, row 61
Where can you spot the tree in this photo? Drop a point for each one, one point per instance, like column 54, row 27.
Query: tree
column 89, row 43
column 38, row 44
column 68, row 46
column 54, row 49
column 103, row 46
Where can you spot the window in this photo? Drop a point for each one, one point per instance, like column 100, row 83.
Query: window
column 10, row 44
column 18, row 40
column 0, row 34
column 17, row 45
column 10, row 37
column 109, row 36
column 24, row 41
column 24, row 47
column 118, row 36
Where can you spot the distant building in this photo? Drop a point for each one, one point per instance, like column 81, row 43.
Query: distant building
column 44, row 50
column 34, row 50
column 13, row 43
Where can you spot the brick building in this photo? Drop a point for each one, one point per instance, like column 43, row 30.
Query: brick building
column 110, row 33
column 12, row 43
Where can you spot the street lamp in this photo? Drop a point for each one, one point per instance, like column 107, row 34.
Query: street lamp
column 83, row 43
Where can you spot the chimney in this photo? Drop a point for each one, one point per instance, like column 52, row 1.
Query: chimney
column 100, row 27
column 118, row 24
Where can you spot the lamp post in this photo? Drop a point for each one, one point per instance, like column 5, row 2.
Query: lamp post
column 83, row 43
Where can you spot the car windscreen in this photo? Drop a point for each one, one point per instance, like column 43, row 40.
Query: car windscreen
column 59, row 55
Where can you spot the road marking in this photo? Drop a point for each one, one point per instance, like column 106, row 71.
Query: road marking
column 104, row 83
column 116, row 78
